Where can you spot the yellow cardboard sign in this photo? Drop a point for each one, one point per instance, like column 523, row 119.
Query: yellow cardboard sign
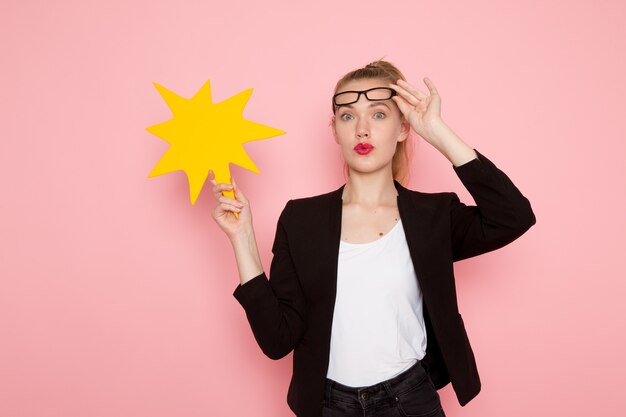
column 204, row 136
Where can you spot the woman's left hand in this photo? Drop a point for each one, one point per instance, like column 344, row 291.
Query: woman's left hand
column 422, row 111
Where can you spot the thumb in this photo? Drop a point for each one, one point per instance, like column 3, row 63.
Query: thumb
column 238, row 193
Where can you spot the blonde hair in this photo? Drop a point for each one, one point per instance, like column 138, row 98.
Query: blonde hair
column 385, row 71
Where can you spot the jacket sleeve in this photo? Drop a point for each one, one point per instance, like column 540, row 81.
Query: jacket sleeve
column 275, row 307
column 501, row 215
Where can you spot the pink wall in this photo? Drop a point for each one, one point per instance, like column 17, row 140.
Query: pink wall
column 116, row 293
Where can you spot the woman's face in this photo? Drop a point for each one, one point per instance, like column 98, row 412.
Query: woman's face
column 368, row 131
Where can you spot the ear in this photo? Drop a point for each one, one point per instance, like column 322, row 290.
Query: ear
column 332, row 126
column 405, row 129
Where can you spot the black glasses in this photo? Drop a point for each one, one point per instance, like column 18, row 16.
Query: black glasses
column 373, row 94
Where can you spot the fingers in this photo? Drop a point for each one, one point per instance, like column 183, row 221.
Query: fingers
column 412, row 89
column 229, row 201
column 218, row 188
column 405, row 95
column 229, row 204
column 238, row 193
column 222, row 210
column 404, row 107
column 431, row 86
column 226, row 204
column 403, row 87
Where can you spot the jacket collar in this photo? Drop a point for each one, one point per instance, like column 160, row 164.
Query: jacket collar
column 403, row 197
column 415, row 213
column 404, row 206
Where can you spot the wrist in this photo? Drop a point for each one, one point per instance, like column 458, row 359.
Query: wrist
column 449, row 144
column 247, row 255
column 243, row 238
column 438, row 132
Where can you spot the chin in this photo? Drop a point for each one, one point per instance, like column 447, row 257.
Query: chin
column 363, row 170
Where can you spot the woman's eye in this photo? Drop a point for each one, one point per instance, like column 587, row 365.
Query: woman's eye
column 379, row 115
column 345, row 116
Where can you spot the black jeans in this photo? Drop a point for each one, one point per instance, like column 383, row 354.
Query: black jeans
column 409, row 394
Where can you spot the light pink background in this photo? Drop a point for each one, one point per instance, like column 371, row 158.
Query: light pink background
column 116, row 293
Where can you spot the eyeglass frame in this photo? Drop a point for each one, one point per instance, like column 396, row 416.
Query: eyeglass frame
column 335, row 105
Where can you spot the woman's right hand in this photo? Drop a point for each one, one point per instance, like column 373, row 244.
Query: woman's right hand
column 223, row 212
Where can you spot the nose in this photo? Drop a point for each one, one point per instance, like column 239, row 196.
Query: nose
column 362, row 130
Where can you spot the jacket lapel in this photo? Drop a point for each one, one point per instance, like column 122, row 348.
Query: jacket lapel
column 328, row 252
column 427, row 235
column 416, row 214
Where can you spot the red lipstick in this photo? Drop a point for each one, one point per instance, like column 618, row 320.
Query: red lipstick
column 363, row 148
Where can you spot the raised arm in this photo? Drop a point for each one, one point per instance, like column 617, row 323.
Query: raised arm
column 275, row 308
column 239, row 230
column 501, row 213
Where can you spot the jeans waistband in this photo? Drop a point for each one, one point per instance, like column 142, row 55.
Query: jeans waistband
column 381, row 386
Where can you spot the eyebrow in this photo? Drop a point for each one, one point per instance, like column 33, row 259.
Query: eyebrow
column 380, row 103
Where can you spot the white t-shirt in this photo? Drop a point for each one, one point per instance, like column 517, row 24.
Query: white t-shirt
column 378, row 326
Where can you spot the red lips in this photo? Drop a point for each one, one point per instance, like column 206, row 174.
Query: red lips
column 363, row 148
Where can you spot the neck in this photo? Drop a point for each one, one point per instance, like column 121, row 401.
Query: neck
column 370, row 190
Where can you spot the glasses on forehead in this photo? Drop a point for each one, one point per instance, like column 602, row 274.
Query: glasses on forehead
column 372, row 94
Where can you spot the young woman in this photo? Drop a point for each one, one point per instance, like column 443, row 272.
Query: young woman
column 361, row 285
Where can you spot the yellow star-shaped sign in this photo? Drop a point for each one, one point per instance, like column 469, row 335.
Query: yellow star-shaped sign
column 204, row 136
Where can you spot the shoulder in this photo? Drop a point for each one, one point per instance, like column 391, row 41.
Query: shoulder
column 313, row 208
column 315, row 201
column 422, row 198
